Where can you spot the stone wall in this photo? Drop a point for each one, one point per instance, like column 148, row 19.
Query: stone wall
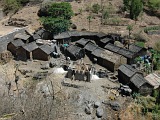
column 4, row 40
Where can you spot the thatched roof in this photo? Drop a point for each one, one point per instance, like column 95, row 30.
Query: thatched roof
column 30, row 47
column 127, row 70
column 17, row 43
column 90, row 46
column 22, row 36
column 82, row 42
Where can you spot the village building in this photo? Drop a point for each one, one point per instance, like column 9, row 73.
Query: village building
column 82, row 42
column 75, row 52
column 14, row 45
column 25, row 52
column 108, row 59
column 121, row 51
column 154, row 80
column 90, row 46
column 139, row 51
column 63, row 38
column 103, row 42
column 132, row 77
column 24, row 37
column 74, row 35
column 43, row 52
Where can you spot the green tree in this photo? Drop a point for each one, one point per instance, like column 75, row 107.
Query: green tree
column 58, row 19
column 126, row 4
column 154, row 4
column 135, row 9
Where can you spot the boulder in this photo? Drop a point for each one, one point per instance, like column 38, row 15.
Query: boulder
column 115, row 106
column 97, row 104
column 99, row 112
column 45, row 67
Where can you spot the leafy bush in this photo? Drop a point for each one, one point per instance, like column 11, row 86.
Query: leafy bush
column 151, row 28
column 11, row 5
column 141, row 44
column 96, row 8
column 154, row 4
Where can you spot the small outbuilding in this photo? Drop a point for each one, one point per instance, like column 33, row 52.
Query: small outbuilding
column 43, row 52
column 25, row 52
column 154, row 80
column 132, row 77
column 103, row 42
column 139, row 51
column 24, row 37
column 75, row 52
column 108, row 59
column 63, row 38
column 14, row 45
column 121, row 51
column 90, row 46
column 82, row 42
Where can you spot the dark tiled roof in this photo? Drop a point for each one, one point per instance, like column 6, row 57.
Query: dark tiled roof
column 127, row 70
column 105, row 40
column 138, row 80
column 135, row 48
column 90, row 46
column 17, row 42
column 82, row 41
column 22, row 36
column 73, row 49
column 126, row 53
column 30, row 47
column 47, row 49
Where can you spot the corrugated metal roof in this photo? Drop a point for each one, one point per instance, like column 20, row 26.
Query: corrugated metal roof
column 153, row 79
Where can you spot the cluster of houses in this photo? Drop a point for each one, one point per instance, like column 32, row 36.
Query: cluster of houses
column 99, row 47
column 26, row 46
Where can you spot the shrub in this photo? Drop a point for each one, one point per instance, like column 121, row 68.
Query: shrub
column 58, row 17
column 11, row 5
column 154, row 4
column 96, row 8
